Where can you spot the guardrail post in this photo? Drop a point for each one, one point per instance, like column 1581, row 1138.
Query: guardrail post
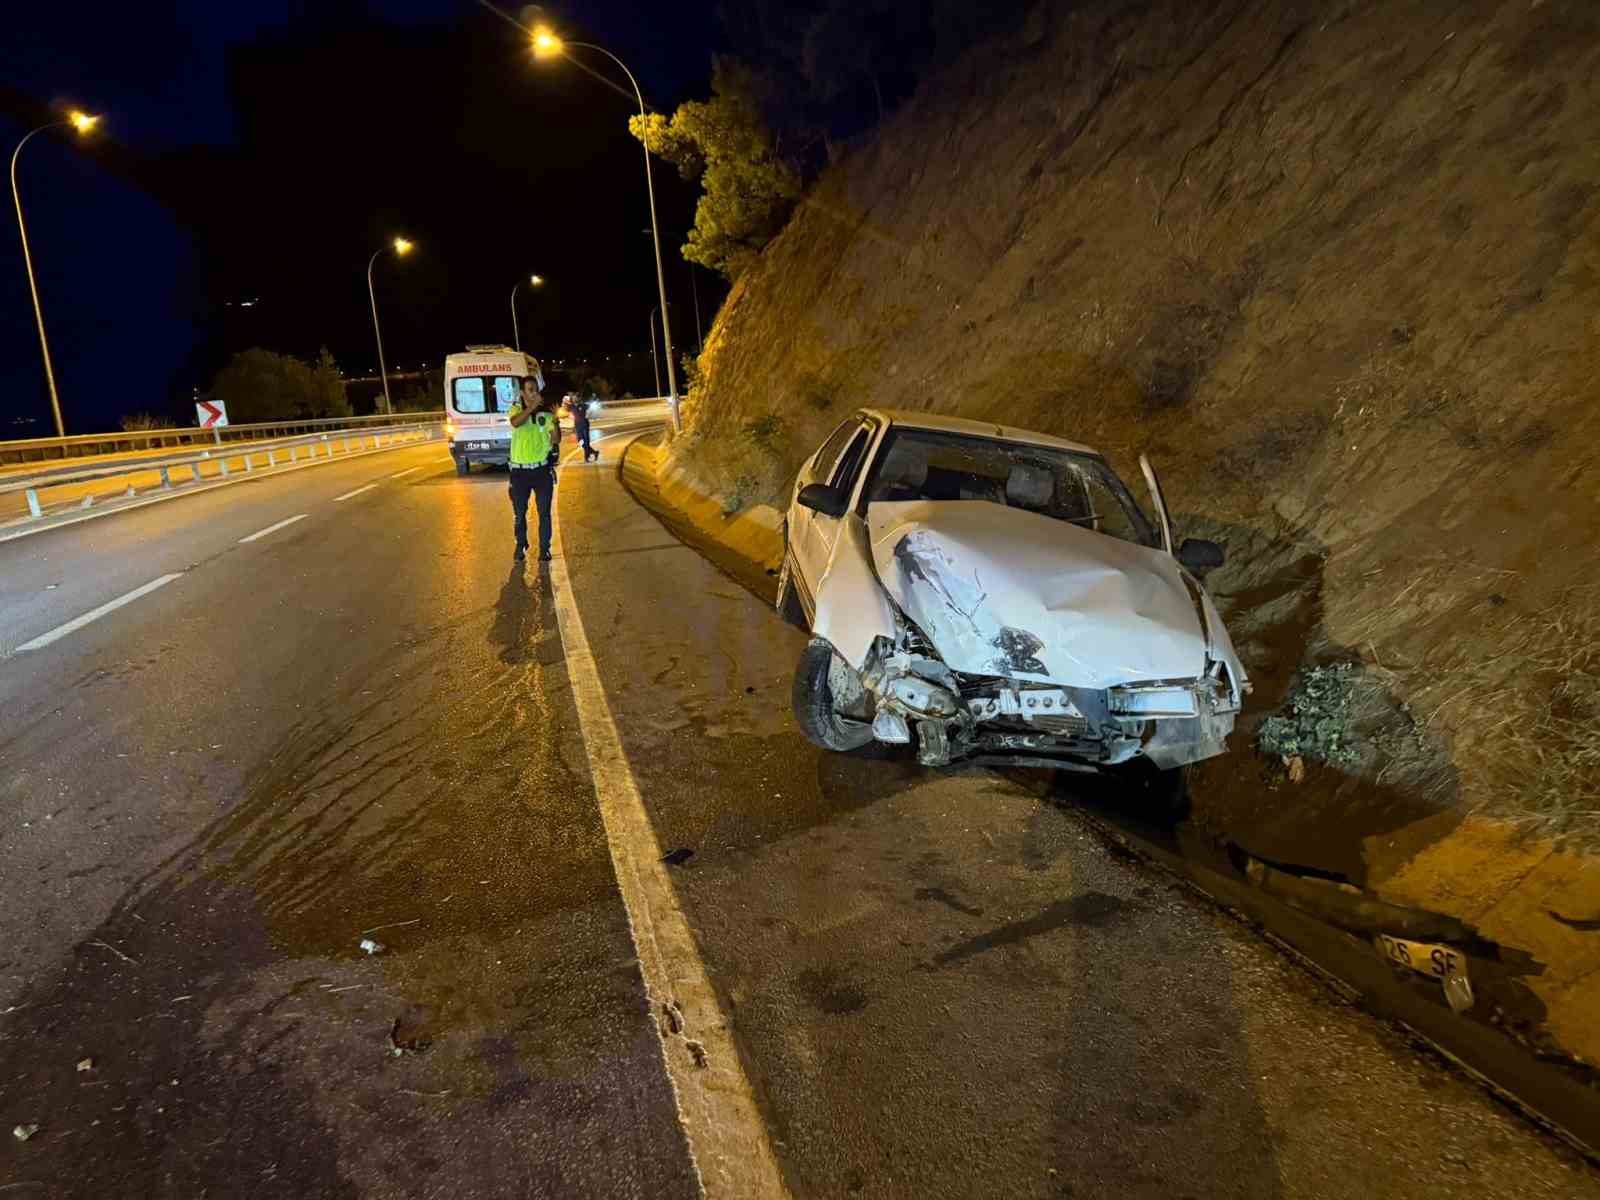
column 292, row 455
column 33, row 503
column 248, row 467
column 195, row 468
column 271, row 459
column 222, row 465
column 166, row 479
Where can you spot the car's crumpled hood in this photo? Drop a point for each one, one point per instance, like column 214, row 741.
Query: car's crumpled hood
column 1003, row 591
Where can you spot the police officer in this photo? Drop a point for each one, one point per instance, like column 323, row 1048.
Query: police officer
column 535, row 450
column 578, row 404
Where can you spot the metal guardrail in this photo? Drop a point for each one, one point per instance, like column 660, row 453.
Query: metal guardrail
column 244, row 453
column 45, row 449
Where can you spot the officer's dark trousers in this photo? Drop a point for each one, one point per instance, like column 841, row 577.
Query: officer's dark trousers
column 540, row 482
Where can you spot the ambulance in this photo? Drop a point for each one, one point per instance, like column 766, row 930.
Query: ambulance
column 480, row 386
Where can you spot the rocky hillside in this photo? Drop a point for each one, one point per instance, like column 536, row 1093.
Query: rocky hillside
column 1336, row 267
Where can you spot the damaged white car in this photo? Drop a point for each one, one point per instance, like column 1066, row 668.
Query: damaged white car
column 998, row 596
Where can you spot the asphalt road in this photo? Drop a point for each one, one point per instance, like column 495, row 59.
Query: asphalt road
column 364, row 724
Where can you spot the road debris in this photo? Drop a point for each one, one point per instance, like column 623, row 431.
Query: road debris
column 394, row 925
column 676, row 858
column 672, row 1017
column 23, row 1132
column 86, row 1064
column 399, row 1048
column 115, row 951
column 370, row 946
column 1458, row 992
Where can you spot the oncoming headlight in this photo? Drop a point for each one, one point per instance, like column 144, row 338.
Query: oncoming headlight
column 1153, row 701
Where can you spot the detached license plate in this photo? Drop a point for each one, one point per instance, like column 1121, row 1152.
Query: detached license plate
column 1426, row 958
column 479, row 445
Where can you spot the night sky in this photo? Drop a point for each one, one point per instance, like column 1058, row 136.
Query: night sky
column 261, row 151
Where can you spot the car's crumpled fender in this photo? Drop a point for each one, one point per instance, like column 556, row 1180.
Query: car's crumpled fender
column 1220, row 646
column 851, row 608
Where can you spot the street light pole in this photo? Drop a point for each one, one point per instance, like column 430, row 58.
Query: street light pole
column 400, row 246
column 654, row 361
column 546, row 42
column 516, row 333
column 83, row 124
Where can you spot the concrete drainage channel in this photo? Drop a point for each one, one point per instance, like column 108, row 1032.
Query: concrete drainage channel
column 1451, row 990
column 149, row 480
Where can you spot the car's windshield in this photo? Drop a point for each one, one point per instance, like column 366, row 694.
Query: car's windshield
column 920, row 464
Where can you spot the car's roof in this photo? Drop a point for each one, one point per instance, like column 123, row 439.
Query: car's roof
column 984, row 429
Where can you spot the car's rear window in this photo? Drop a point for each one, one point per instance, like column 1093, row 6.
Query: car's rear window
column 920, row 464
column 474, row 393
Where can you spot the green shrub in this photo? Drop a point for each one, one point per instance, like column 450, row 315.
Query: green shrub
column 1317, row 723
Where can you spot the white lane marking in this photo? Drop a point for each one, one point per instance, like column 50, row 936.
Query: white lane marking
column 261, row 533
column 94, row 614
column 716, row 1104
column 357, row 492
column 407, row 471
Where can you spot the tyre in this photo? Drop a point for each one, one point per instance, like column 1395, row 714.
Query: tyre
column 789, row 606
column 1155, row 794
column 463, row 466
column 819, row 677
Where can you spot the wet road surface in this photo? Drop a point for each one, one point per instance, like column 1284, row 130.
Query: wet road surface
column 361, row 725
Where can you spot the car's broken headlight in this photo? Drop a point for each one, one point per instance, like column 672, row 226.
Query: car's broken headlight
column 1162, row 700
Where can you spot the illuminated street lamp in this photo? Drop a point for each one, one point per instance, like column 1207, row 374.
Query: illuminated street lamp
column 533, row 281
column 84, row 124
column 546, row 45
column 401, row 248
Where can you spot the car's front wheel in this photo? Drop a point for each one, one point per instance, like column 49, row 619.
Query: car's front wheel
column 829, row 702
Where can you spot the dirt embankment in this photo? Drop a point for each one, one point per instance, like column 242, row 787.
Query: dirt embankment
column 1336, row 266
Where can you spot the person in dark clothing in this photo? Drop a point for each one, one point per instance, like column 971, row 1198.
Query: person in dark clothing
column 580, row 426
column 535, row 451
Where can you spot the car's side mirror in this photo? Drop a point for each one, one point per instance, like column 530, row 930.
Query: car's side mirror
column 1200, row 555
column 823, row 498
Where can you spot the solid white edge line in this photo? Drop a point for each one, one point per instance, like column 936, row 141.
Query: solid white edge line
column 261, row 533
column 717, row 1107
column 357, row 492
column 94, row 614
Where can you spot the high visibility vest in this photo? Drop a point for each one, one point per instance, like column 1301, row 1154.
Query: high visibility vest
column 532, row 441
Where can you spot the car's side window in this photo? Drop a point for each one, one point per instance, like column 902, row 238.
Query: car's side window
column 851, row 462
column 822, row 467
